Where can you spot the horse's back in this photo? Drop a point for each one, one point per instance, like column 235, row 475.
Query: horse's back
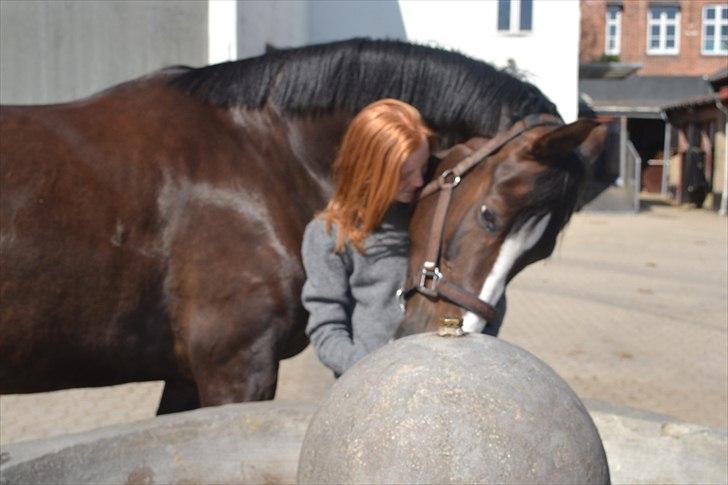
column 79, row 243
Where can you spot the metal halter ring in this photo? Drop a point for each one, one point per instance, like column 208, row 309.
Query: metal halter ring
column 399, row 294
column 435, row 275
column 455, row 179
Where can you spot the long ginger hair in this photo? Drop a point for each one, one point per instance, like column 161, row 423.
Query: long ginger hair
column 367, row 167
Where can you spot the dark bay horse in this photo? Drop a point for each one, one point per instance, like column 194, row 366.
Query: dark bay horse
column 152, row 231
column 482, row 219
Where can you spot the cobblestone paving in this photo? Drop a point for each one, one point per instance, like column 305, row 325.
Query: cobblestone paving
column 634, row 312
column 629, row 309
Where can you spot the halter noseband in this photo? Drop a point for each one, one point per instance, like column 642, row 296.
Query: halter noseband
column 432, row 282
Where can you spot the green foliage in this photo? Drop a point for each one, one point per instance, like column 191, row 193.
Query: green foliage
column 608, row 58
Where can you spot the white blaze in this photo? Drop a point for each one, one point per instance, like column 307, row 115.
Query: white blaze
column 517, row 243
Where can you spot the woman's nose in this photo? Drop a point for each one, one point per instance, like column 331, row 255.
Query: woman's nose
column 419, row 180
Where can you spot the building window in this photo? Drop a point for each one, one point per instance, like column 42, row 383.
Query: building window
column 613, row 30
column 663, row 30
column 515, row 16
column 715, row 30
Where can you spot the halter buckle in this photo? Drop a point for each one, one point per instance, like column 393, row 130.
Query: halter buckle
column 401, row 300
column 432, row 273
column 449, row 179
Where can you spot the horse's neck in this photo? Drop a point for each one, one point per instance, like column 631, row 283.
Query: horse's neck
column 299, row 147
column 314, row 139
column 310, row 141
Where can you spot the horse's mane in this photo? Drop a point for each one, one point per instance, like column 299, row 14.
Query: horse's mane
column 452, row 91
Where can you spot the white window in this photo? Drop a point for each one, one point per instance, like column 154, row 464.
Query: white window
column 515, row 16
column 715, row 30
column 663, row 30
column 613, row 30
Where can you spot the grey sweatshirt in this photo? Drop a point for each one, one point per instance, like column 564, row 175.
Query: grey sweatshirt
column 350, row 296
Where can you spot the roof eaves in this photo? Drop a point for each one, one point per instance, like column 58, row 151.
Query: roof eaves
column 697, row 101
column 646, row 112
column 636, row 109
column 718, row 75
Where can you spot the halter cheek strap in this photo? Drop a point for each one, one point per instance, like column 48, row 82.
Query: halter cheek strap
column 432, row 282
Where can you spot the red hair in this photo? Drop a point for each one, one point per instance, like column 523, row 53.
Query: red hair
column 367, row 167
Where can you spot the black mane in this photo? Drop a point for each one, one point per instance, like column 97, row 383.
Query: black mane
column 453, row 92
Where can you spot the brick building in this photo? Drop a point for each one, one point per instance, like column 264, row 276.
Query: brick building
column 685, row 37
column 656, row 70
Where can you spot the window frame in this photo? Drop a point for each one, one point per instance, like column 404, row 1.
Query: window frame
column 617, row 22
column 717, row 23
column 514, row 18
column 663, row 22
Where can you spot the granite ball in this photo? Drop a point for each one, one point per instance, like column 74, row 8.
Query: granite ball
column 470, row 409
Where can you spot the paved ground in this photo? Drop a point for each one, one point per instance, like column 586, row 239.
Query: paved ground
column 631, row 309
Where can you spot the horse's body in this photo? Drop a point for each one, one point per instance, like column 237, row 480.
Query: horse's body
column 141, row 223
column 153, row 231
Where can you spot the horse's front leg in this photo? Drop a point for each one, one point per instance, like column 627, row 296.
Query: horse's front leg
column 230, row 293
column 229, row 343
column 226, row 372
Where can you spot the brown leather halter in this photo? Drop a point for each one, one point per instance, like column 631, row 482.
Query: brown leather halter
column 432, row 282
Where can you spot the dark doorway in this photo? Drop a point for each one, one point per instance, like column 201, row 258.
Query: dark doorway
column 648, row 138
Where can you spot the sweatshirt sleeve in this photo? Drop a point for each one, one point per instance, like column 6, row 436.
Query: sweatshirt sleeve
column 328, row 300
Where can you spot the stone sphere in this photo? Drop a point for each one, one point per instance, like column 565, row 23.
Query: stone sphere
column 470, row 409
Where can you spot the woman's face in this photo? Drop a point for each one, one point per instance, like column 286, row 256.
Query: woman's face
column 412, row 173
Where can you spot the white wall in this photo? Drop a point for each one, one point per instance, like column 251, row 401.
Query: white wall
column 549, row 54
column 56, row 50
column 222, row 31
column 53, row 51
column 336, row 20
column 281, row 23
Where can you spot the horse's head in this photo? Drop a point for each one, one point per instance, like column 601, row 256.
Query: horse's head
column 503, row 213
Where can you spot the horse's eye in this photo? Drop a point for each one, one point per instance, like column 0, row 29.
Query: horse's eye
column 488, row 218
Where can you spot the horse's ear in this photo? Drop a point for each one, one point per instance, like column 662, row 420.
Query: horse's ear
column 593, row 146
column 563, row 140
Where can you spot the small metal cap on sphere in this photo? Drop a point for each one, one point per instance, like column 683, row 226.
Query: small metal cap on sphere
column 450, row 327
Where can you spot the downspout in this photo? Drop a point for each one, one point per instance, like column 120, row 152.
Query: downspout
column 666, row 154
column 222, row 31
column 622, row 151
column 724, row 195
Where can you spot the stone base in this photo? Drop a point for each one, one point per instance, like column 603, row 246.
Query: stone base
column 260, row 443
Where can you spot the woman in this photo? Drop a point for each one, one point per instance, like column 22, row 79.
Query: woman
column 355, row 251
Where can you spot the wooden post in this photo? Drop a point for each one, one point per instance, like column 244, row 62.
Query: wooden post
column 622, row 151
column 724, row 195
